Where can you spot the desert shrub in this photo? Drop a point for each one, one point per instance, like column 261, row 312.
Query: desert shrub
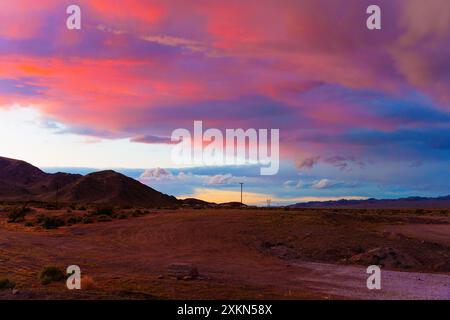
column 127, row 207
column 87, row 283
column 74, row 220
column 139, row 212
column 122, row 216
column 52, row 222
column 5, row 283
column 18, row 214
column 420, row 211
column 51, row 274
column 104, row 218
column 87, row 220
column 40, row 218
column 29, row 224
column 82, row 208
column 104, row 211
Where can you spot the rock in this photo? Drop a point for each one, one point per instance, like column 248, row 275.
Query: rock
column 15, row 291
column 385, row 257
column 283, row 252
column 391, row 235
column 279, row 250
column 185, row 271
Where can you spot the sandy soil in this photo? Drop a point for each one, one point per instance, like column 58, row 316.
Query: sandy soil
column 428, row 232
column 240, row 254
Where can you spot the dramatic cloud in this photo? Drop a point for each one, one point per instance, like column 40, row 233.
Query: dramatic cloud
column 343, row 97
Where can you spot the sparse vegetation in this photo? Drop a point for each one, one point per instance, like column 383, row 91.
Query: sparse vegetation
column 318, row 235
column 74, row 220
column 5, row 283
column 420, row 211
column 53, row 222
column 104, row 218
column 29, row 224
column 104, row 210
column 18, row 214
column 88, row 283
column 40, row 218
column 87, row 220
column 51, row 274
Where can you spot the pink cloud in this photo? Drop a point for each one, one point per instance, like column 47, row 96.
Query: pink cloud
column 142, row 69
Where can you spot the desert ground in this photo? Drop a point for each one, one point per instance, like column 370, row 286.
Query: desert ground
column 124, row 253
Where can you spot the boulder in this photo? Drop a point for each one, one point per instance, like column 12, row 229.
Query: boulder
column 385, row 257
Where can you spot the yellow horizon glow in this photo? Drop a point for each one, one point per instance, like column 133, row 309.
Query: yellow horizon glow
column 254, row 198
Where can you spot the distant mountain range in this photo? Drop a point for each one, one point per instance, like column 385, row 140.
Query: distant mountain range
column 402, row 203
column 21, row 181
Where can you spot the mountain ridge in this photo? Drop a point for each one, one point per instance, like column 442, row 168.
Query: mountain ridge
column 415, row 202
column 21, row 181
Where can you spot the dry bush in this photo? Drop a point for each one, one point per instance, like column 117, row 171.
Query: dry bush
column 87, row 283
column 104, row 211
column 18, row 214
column 51, row 274
column 5, row 283
column 53, row 222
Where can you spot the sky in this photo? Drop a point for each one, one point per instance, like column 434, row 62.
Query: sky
column 361, row 113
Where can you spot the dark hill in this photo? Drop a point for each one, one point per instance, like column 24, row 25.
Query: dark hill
column 19, row 172
column 20, row 181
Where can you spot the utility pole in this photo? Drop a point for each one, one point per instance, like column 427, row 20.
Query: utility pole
column 241, row 183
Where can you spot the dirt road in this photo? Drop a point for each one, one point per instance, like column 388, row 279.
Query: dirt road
column 350, row 282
